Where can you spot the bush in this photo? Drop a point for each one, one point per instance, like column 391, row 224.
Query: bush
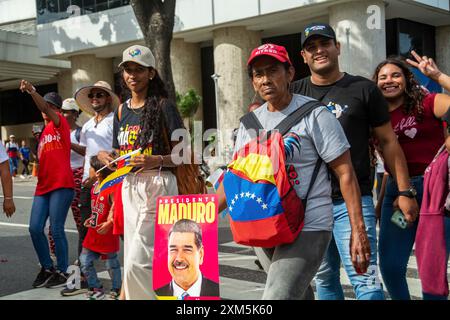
column 188, row 103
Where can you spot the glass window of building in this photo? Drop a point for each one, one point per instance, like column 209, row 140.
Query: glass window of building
column 52, row 10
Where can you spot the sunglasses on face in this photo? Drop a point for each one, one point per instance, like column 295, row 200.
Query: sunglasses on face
column 97, row 95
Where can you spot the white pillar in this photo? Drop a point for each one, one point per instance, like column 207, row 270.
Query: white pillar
column 443, row 48
column 88, row 69
column 187, row 69
column 360, row 28
column 232, row 47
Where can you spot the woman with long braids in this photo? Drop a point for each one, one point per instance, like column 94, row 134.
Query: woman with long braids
column 415, row 117
column 145, row 121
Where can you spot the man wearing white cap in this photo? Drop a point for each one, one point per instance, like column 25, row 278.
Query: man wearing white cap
column 12, row 149
column 99, row 101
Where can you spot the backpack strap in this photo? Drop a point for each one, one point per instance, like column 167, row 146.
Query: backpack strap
column 119, row 112
column 251, row 123
column 313, row 179
column 78, row 134
column 292, row 119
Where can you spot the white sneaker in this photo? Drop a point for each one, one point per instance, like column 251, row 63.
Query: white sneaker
column 22, row 176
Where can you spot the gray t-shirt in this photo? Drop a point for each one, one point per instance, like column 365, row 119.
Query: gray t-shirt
column 320, row 134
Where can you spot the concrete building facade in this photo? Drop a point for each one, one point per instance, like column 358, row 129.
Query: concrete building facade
column 74, row 43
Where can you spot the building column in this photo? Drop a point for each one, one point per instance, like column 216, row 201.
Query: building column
column 186, row 69
column 232, row 47
column 362, row 35
column 64, row 79
column 443, row 48
column 88, row 69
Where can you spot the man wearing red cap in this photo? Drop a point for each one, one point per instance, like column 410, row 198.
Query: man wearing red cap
column 361, row 109
column 291, row 267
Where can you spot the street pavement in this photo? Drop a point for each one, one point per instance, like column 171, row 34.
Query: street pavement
column 240, row 277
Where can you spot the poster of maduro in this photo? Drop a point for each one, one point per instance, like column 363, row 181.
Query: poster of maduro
column 186, row 260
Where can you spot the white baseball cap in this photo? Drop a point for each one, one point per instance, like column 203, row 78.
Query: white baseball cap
column 140, row 55
column 70, row 105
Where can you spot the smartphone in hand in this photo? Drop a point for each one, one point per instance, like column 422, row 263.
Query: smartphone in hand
column 399, row 219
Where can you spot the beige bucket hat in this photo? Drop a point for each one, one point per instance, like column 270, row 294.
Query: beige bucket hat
column 81, row 96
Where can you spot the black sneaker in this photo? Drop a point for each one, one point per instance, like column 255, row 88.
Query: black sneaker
column 114, row 294
column 58, row 280
column 42, row 278
column 66, row 292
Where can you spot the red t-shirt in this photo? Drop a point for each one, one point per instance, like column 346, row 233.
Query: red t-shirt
column 419, row 140
column 54, row 158
column 106, row 243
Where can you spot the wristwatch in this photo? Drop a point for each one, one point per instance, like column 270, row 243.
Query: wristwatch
column 410, row 193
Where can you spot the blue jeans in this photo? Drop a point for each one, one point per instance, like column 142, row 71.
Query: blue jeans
column 87, row 259
column 395, row 244
column 366, row 286
column 55, row 205
column 13, row 163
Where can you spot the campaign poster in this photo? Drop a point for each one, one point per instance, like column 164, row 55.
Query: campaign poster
column 186, row 259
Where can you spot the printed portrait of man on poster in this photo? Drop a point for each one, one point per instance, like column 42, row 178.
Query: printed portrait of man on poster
column 185, row 261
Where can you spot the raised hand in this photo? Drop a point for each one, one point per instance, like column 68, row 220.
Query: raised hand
column 426, row 65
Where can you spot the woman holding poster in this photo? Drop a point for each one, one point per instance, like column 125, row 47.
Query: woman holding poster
column 143, row 122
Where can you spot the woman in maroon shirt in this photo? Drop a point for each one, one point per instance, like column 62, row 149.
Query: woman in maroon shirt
column 415, row 118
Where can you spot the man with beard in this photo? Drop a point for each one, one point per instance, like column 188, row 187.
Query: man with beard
column 361, row 110
column 99, row 101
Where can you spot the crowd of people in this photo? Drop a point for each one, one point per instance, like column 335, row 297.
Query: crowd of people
column 390, row 113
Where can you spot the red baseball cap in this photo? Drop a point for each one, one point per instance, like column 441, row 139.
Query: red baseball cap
column 269, row 49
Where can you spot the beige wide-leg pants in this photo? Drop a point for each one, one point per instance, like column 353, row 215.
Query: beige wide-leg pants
column 139, row 193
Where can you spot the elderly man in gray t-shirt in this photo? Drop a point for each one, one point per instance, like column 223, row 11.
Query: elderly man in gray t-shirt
column 291, row 267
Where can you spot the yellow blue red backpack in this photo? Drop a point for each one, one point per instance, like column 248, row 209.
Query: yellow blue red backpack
column 264, row 208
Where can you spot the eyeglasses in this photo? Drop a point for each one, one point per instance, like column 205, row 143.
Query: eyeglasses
column 97, row 95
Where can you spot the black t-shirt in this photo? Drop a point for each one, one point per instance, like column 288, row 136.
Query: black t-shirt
column 126, row 130
column 358, row 105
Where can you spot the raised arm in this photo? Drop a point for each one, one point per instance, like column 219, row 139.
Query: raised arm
column 26, row 86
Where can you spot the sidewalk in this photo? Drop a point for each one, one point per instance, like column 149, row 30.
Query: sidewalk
column 55, row 294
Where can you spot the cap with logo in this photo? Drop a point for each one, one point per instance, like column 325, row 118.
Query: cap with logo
column 272, row 50
column 70, row 105
column 317, row 29
column 54, row 99
column 140, row 55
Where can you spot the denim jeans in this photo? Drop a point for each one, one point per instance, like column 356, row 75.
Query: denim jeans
column 366, row 286
column 427, row 296
column 13, row 164
column 395, row 244
column 54, row 205
column 87, row 259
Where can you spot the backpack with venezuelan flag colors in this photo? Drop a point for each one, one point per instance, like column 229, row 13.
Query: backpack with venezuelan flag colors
column 264, row 207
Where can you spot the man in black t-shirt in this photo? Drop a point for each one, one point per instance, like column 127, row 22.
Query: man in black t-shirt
column 361, row 109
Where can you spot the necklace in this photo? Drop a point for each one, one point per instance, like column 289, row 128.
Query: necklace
column 141, row 109
column 98, row 119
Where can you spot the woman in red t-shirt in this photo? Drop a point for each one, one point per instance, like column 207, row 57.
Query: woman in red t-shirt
column 415, row 118
column 54, row 190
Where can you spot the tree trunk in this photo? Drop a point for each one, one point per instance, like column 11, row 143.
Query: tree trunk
column 156, row 19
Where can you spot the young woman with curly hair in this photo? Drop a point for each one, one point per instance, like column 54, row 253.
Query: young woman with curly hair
column 415, row 118
column 145, row 121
